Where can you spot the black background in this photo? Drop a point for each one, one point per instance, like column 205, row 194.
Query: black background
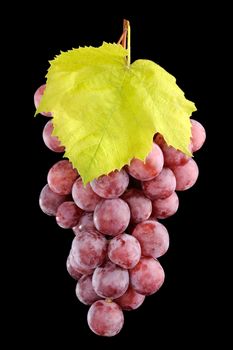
column 183, row 311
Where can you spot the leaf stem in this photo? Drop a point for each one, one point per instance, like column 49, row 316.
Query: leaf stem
column 125, row 39
column 129, row 44
column 125, row 31
column 120, row 40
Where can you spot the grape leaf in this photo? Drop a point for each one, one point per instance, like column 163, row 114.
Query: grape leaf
column 105, row 113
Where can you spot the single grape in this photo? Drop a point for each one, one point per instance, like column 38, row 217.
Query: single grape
column 71, row 270
column 186, row 175
column 161, row 187
column 140, row 206
column 89, row 248
column 85, row 292
column 110, row 280
column 148, row 169
column 85, row 223
column 37, row 97
column 105, row 318
column 49, row 201
column 111, row 185
column 68, row 214
column 172, row 156
column 124, row 250
column 163, row 208
column 111, row 216
column 84, row 196
column 61, row 177
column 80, row 269
column 51, row 142
column 198, row 135
column 131, row 300
column 153, row 238
column 147, row 276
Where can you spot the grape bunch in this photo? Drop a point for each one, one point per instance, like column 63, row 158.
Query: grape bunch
column 115, row 219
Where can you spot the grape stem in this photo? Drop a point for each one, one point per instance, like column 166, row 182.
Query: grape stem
column 125, row 39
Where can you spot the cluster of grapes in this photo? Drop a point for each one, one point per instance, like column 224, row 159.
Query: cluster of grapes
column 118, row 237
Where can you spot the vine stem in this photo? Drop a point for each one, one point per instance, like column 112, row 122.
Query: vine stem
column 125, row 39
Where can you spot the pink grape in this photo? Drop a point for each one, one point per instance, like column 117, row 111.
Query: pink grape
column 111, row 185
column 85, row 223
column 186, row 175
column 131, row 300
column 124, row 250
column 51, row 142
column 198, row 135
column 37, row 98
column 147, row 276
column 110, row 280
column 80, row 269
column 163, row 208
column 140, row 206
column 162, row 186
column 61, row 177
column 49, row 201
column 85, row 292
column 172, row 156
column 153, row 238
column 84, row 197
column 71, row 270
column 89, row 248
column 148, row 169
column 111, row 216
column 68, row 214
column 105, row 318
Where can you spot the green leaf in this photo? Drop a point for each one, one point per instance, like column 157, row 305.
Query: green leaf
column 105, row 113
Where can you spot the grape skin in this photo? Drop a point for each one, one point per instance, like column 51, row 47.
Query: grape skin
column 110, row 280
column 161, row 187
column 131, row 300
column 111, row 216
column 50, row 141
column 153, row 238
column 85, row 223
column 68, row 214
column 84, row 197
column 124, row 250
column 80, row 269
column 71, row 269
column 163, row 208
column 172, row 156
column 89, row 248
column 49, row 201
column 186, row 175
column 147, row 276
column 85, row 292
column 198, row 135
column 37, row 98
column 105, row 318
column 148, row 169
column 61, row 177
column 140, row 206
column 111, row 185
